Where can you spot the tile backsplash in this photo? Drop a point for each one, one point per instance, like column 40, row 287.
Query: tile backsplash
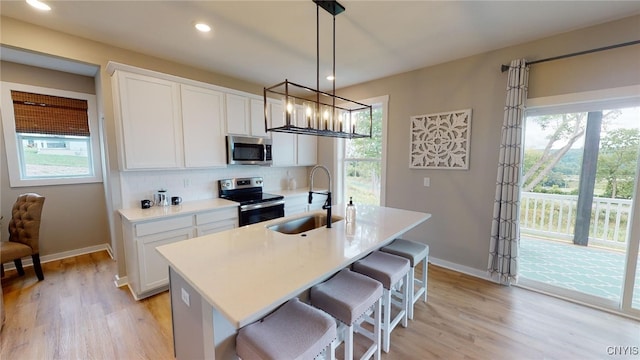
column 202, row 184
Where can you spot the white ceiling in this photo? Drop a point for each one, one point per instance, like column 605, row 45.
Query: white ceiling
column 267, row 41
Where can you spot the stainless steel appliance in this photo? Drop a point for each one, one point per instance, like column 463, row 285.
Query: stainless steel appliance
column 255, row 205
column 243, row 150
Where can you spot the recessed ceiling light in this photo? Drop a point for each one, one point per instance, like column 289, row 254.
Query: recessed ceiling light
column 39, row 5
column 203, row 27
column 331, row 77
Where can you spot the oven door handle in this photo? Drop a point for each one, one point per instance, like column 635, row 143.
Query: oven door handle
column 261, row 205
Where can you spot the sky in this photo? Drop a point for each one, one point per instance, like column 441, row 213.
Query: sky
column 535, row 137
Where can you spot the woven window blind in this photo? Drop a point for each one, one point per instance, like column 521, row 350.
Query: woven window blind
column 51, row 115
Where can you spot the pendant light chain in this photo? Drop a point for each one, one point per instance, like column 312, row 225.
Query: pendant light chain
column 334, row 66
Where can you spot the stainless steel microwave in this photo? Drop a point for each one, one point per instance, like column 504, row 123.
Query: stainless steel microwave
column 243, row 150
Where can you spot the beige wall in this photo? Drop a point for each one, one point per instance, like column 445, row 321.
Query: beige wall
column 461, row 202
column 74, row 216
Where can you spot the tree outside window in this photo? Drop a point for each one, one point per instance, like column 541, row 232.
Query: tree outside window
column 363, row 161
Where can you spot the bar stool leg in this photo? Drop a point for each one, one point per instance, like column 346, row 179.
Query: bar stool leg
column 348, row 343
column 425, row 269
column 405, row 298
column 411, row 285
column 386, row 331
column 376, row 327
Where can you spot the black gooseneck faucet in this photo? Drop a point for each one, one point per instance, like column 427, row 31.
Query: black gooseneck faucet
column 327, row 204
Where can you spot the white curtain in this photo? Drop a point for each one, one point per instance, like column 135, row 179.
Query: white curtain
column 505, row 229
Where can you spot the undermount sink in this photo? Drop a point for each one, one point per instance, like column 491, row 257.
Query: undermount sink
column 302, row 224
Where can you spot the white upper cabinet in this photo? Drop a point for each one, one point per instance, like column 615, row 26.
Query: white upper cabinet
column 257, row 118
column 307, row 145
column 284, row 145
column 307, row 150
column 291, row 149
column 203, row 127
column 238, row 113
column 151, row 129
column 167, row 122
column 245, row 115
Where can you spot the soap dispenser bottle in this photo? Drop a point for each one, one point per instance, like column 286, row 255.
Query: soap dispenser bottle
column 351, row 211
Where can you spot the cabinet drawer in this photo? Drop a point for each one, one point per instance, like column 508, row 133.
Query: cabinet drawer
column 297, row 200
column 172, row 223
column 217, row 215
column 216, row 227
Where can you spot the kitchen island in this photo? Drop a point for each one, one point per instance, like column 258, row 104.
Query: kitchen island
column 224, row 281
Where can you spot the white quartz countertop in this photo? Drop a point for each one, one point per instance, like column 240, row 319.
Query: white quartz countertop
column 190, row 207
column 247, row 272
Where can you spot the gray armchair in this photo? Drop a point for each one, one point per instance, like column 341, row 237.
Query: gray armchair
column 24, row 234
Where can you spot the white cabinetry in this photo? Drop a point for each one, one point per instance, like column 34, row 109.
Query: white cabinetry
column 147, row 271
column 295, row 204
column 165, row 122
column 238, row 113
column 257, row 118
column 307, row 150
column 299, row 203
column 291, row 149
column 245, row 115
column 307, row 145
column 317, row 202
column 215, row 221
column 203, row 127
column 151, row 130
column 284, row 145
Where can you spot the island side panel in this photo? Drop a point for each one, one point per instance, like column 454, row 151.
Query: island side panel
column 186, row 314
column 199, row 331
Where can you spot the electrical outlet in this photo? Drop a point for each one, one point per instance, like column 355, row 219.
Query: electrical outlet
column 187, row 182
column 185, row 297
column 427, row 182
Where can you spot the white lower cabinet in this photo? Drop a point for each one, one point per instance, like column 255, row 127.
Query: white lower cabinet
column 147, row 270
column 317, row 203
column 295, row 204
column 215, row 221
column 299, row 203
column 154, row 272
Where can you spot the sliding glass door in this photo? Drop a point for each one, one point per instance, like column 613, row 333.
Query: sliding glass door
column 578, row 231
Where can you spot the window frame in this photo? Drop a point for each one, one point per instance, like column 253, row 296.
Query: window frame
column 14, row 158
column 594, row 100
column 340, row 148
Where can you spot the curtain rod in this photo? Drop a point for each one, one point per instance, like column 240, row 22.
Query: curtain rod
column 506, row 67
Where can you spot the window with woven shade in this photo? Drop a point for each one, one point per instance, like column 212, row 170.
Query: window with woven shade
column 52, row 115
column 49, row 131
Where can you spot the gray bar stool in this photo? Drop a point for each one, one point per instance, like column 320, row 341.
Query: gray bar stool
column 294, row 331
column 415, row 252
column 347, row 297
column 391, row 271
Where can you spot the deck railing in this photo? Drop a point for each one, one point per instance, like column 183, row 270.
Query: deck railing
column 554, row 216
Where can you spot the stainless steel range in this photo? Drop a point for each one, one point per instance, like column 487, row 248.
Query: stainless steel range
column 255, row 205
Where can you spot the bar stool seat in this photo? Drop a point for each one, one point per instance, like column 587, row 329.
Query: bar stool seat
column 294, row 331
column 347, row 297
column 416, row 253
column 391, row 271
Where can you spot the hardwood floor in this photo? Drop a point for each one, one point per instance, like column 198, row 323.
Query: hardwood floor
column 78, row 313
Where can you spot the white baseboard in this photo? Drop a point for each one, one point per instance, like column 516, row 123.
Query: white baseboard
column 461, row 268
column 62, row 255
column 120, row 281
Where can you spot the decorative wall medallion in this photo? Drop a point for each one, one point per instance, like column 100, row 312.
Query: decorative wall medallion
column 441, row 141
